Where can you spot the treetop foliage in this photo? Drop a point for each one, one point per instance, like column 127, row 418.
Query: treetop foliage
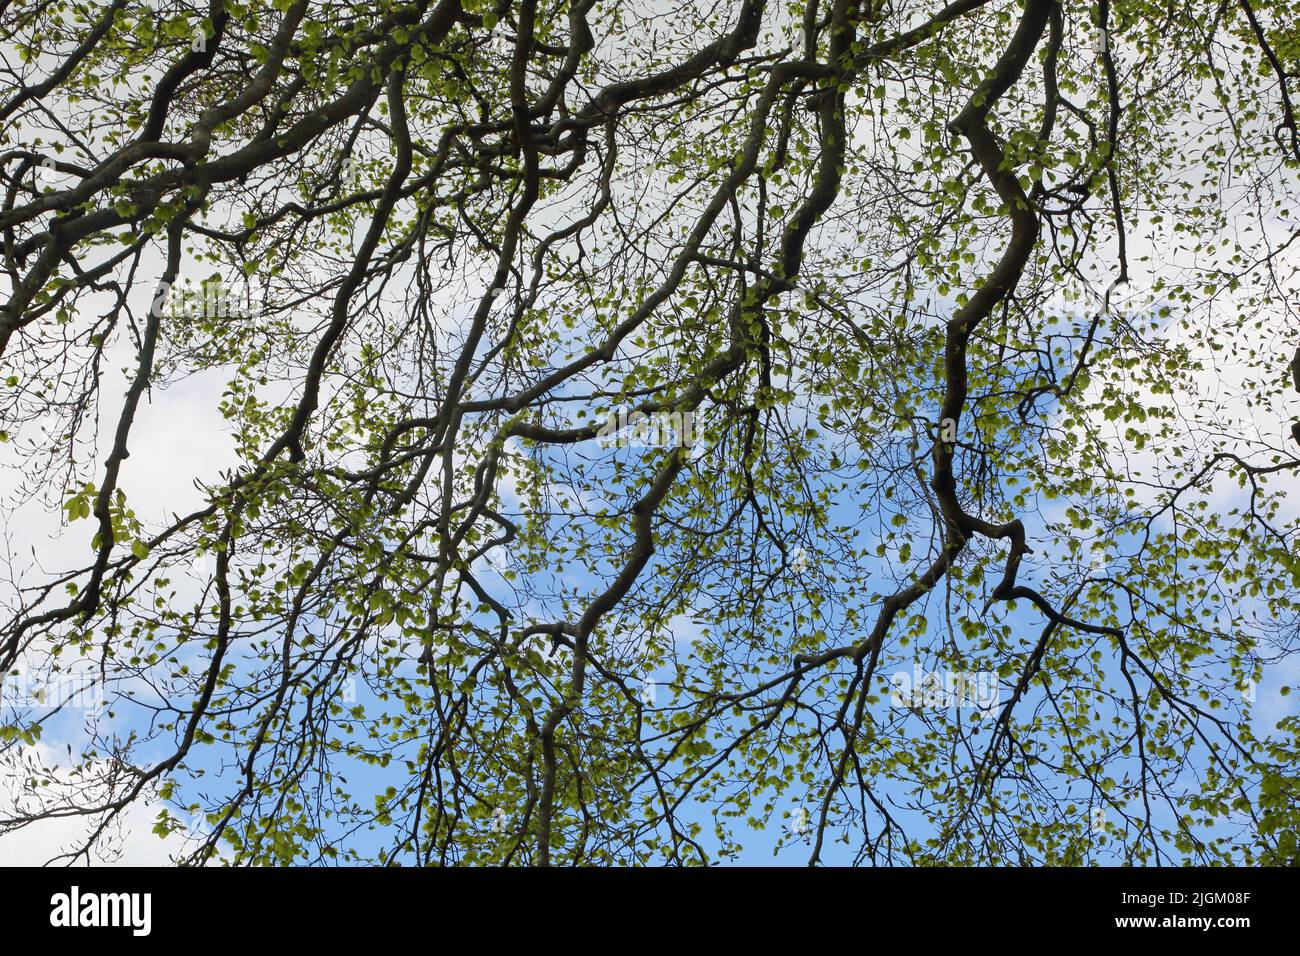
column 859, row 429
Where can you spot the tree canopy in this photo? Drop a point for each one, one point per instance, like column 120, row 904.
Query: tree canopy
column 651, row 431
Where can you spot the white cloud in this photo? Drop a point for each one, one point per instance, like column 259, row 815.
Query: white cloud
column 129, row 840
